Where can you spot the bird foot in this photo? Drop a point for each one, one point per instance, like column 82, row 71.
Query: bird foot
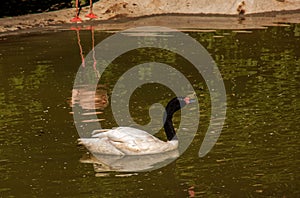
column 91, row 15
column 76, row 20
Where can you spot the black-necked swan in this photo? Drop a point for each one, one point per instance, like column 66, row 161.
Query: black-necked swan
column 131, row 141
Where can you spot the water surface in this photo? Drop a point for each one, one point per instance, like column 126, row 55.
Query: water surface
column 257, row 154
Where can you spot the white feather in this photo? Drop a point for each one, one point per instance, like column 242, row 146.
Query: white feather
column 127, row 141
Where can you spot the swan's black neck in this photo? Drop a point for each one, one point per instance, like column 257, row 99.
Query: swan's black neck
column 174, row 105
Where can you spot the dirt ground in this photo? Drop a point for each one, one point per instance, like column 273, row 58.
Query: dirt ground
column 180, row 14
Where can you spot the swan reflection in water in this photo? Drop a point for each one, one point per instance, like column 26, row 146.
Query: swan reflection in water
column 129, row 163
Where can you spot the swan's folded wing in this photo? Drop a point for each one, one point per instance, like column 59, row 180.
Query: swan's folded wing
column 103, row 145
column 122, row 134
column 131, row 141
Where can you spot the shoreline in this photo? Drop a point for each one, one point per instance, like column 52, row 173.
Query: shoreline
column 119, row 20
column 176, row 21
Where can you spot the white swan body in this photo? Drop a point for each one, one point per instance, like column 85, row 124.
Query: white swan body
column 127, row 141
column 131, row 141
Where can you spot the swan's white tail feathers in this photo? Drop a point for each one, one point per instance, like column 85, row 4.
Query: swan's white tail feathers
column 99, row 131
column 97, row 145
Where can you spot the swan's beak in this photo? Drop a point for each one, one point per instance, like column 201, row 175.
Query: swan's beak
column 192, row 100
column 189, row 100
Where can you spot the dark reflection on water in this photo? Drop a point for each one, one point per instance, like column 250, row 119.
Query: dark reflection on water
column 257, row 153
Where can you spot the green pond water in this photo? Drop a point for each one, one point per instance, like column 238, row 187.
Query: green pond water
column 256, row 155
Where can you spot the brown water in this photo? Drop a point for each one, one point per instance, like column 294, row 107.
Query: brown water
column 257, row 154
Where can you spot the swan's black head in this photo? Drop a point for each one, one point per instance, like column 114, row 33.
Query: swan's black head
column 177, row 103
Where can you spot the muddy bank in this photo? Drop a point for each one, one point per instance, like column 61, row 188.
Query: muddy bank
column 192, row 14
column 134, row 8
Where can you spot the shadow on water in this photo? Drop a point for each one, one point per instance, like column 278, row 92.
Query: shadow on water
column 256, row 154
